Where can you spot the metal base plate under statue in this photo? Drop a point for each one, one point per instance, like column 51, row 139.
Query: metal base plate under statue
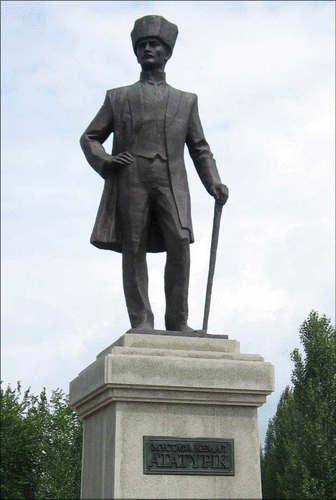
column 170, row 416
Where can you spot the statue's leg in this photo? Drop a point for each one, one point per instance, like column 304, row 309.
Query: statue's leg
column 134, row 210
column 177, row 284
column 177, row 242
column 135, row 282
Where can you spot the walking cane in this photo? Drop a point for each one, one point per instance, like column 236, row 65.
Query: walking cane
column 213, row 253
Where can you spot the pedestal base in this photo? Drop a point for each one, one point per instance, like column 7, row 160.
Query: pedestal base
column 173, row 386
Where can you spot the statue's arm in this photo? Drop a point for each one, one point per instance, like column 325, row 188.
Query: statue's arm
column 95, row 135
column 202, row 156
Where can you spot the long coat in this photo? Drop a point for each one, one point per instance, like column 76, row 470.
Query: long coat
column 121, row 114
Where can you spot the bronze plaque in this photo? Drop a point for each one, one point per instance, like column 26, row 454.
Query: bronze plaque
column 197, row 456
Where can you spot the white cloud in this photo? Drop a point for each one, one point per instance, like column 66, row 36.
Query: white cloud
column 253, row 300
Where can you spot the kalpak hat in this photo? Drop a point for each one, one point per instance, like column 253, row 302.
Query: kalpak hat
column 154, row 26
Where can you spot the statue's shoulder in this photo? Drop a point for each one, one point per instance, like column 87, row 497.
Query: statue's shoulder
column 121, row 90
column 125, row 88
column 119, row 94
column 188, row 96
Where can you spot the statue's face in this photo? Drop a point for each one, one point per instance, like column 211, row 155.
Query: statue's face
column 151, row 53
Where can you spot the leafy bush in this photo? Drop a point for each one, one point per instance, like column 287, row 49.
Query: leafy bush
column 41, row 446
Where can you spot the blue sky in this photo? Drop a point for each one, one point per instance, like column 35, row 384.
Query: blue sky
column 264, row 75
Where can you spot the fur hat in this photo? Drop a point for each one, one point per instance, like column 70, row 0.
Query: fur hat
column 156, row 26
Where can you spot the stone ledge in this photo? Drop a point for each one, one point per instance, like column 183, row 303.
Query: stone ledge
column 218, row 343
column 110, row 394
column 187, row 372
column 179, row 333
column 136, row 364
column 145, row 351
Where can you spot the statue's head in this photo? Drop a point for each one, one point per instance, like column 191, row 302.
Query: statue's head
column 153, row 40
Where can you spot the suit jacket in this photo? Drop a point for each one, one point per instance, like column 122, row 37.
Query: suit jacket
column 121, row 114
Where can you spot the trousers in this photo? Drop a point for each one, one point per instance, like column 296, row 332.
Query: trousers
column 145, row 198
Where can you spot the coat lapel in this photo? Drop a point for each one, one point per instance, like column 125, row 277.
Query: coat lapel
column 174, row 97
column 136, row 106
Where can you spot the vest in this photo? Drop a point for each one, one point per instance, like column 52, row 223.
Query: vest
column 150, row 139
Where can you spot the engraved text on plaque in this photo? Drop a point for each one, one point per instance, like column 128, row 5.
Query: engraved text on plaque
column 198, row 456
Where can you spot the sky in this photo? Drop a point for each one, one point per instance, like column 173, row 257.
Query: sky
column 264, row 76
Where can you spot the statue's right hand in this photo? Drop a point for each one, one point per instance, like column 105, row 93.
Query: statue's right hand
column 120, row 160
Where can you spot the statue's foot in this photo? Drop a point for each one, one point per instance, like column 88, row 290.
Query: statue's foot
column 185, row 329
column 182, row 328
column 142, row 327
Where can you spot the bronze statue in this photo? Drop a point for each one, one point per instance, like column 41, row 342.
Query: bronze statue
column 145, row 205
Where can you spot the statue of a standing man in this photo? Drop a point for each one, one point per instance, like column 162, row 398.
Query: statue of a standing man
column 145, row 206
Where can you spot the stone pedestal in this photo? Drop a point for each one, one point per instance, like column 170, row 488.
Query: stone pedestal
column 169, row 386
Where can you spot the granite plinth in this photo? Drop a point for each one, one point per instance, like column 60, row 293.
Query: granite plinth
column 169, row 385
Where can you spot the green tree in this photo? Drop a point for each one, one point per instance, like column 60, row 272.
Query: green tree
column 41, row 444
column 19, row 446
column 299, row 457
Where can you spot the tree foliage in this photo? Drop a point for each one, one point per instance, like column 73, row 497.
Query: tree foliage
column 299, row 457
column 41, row 443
